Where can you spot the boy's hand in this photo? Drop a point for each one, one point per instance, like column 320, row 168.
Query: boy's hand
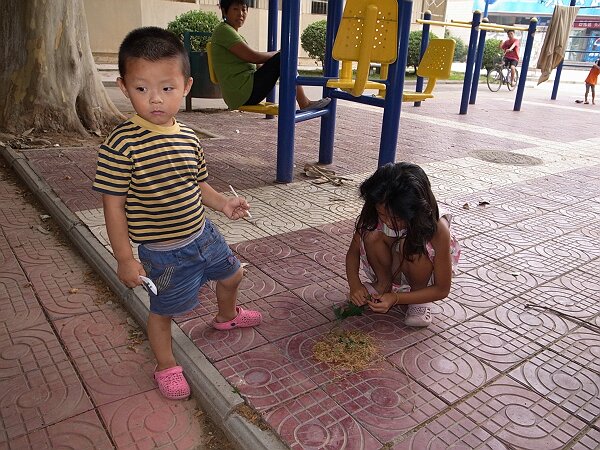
column 236, row 208
column 382, row 303
column 359, row 295
column 129, row 272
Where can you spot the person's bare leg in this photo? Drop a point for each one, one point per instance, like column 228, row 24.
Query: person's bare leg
column 227, row 291
column 593, row 87
column 159, row 335
column 513, row 74
column 379, row 255
column 418, row 272
column 587, row 91
column 301, row 97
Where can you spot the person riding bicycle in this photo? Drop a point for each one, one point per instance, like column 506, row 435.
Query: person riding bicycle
column 510, row 47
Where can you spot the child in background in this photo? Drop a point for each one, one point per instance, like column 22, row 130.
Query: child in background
column 153, row 179
column 590, row 82
column 402, row 243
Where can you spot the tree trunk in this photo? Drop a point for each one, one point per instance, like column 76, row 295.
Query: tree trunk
column 49, row 79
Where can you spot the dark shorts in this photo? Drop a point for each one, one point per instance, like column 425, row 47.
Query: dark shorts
column 179, row 274
column 264, row 80
column 510, row 62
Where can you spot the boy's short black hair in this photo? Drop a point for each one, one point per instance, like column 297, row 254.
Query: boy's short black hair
column 152, row 44
column 225, row 4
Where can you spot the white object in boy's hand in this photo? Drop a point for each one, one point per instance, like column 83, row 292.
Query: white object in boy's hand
column 235, row 193
column 149, row 284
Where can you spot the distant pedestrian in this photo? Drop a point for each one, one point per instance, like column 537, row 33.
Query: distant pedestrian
column 403, row 244
column 590, row 83
column 152, row 175
column 510, row 47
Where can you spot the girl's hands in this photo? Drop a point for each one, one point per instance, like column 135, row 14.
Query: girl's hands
column 359, row 295
column 382, row 303
column 236, row 208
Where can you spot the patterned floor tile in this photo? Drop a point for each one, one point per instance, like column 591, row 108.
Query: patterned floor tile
column 557, row 379
column 308, row 241
column 482, row 249
column 505, row 276
column 449, row 372
column 295, row 271
column 40, row 398
column 384, row 401
column 82, row 432
column 496, row 345
column 217, row 345
column 466, row 225
column 334, row 258
column 581, row 346
column 265, row 377
column 588, row 440
column 148, row 420
column 521, row 417
column 28, row 349
column 208, row 306
column 314, row 420
column 256, row 284
column 117, row 373
column 264, row 249
column 476, row 294
column 95, row 332
column 285, row 314
column 19, row 307
column 451, row 430
column 447, row 313
column 325, row 295
column 576, row 303
column 342, row 231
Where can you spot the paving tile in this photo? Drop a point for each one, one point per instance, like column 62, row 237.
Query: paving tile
column 342, row 231
column 314, row 420
column 450, row 430
column 522, row 239
column 308, row 241
column 256, row 284
column 465, row 224
column 217, row 345
column 444, row 369
column 208, row 306
column 384, row 400
column 118, row 373
column 285, row 314
column 28, row 349
column 541, row 326
column 447, row 313
column 19, row 307
column 20, row 218
column 519, row 416
column 581, row 346
column 264, row 249
column 82, row 432
column 265, row 377
column 148, row 420
column 588, row 440
column 557, row 379
column 482, row 249
column 95, row 332
column 40, row 398
column 504, row 275
column 324, row 296
column 295, row 271
column 494, row 344
column 476, row 294
column 334, row 258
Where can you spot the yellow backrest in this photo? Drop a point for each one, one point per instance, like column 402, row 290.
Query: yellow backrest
column 437, row 60
column 211, row 68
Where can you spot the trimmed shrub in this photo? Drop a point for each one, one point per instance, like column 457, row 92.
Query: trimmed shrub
column 491, row 53
column 461, row 49
column 313, row 40
column 201, row 21
column 414, row 48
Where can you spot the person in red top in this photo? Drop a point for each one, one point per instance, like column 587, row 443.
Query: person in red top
column 510, row 47
column 590, row 82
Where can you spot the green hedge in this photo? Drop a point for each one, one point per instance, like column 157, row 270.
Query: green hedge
column 313, row 40
column 200, row 21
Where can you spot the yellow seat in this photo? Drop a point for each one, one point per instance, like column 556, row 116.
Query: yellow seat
column 368, row 33
column 271, row 109
column 435, row 65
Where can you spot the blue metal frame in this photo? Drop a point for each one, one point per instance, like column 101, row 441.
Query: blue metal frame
column 559, row 70
column 525, row 65
column 478, row 59
column 424, row 44
column 272, row 42
column 464, row 102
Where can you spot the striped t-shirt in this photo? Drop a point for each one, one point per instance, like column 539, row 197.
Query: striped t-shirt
column 158, row 169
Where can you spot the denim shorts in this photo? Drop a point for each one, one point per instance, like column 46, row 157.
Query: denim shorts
column 179, row 274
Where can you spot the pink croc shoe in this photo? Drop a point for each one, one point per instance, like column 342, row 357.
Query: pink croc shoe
column 245, row 318
column 172, row 384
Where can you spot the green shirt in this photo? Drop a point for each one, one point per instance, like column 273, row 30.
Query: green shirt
column 235, row 76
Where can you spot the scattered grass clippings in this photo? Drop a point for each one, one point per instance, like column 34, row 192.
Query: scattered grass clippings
column 346, row 349
column 347, row 310
column 252, row 416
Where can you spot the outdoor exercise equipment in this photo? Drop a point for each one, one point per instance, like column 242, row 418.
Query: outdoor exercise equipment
column 268, row 108
column 368, row 33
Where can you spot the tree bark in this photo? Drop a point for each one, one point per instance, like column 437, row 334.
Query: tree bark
column 49, row 79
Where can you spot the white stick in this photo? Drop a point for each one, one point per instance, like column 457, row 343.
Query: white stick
column 235, row 193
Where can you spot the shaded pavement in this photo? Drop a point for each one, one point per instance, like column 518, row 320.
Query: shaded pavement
column 488, row 373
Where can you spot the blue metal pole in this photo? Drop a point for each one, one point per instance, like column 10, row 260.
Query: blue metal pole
column 272, row 40
column 464, row 103
column 559, row 69
column 393, row 98
column 525, row 65
column 287, row 90
column 330, row 69
column 485, row 8
column 424, row 43
column 478, row 61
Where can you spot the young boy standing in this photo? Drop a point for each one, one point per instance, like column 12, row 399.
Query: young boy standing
column 152, row 175
column 590, row 82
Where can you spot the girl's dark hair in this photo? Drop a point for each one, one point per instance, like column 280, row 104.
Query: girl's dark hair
column 225, row 4
column 403, row 189
column 152, row 44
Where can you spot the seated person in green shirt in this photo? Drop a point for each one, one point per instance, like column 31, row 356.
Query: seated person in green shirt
column 235, row 63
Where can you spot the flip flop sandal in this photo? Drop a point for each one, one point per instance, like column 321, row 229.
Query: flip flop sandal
column 578, row 101
column 245, row 318
column 172, row 384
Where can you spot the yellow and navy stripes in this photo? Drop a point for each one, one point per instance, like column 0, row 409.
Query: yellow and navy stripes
column 158, row 169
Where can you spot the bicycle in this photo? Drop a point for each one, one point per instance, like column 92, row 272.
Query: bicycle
column 500, row 74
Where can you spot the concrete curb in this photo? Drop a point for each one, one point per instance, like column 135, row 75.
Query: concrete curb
column 210, row 389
